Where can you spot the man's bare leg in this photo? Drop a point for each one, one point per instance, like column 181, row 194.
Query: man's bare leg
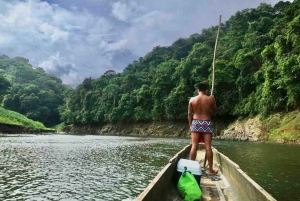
column 195, row 141
column 205, row 159
column 209, row 154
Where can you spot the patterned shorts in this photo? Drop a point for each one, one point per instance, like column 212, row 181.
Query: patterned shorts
column 200, row 126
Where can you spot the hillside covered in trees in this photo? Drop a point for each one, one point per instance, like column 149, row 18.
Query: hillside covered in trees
column 257, row 73
column 30, row 91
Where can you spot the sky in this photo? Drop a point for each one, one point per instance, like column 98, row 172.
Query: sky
column 77, row 39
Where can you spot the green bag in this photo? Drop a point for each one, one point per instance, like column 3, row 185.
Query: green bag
column 188, row 187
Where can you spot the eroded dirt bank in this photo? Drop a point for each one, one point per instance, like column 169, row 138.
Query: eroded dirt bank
column 279, row 127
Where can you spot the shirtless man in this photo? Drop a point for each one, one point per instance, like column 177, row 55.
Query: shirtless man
column 200, row 110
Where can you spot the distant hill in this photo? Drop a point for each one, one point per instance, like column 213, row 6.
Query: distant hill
column 32, row 92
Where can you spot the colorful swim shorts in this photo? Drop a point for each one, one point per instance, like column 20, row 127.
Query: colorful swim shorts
column 200, row 126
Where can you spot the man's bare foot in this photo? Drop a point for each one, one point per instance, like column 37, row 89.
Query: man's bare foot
column 214, row 172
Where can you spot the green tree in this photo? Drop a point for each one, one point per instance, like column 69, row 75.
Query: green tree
column 32, row 92
column 4, row 87
column 257, row 72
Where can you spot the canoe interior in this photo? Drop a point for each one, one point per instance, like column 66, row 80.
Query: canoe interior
column 163, row 186
column 235, row 185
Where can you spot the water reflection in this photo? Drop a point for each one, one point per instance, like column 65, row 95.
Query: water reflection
column 64, row 167
column 81, row 167
column 275, row 167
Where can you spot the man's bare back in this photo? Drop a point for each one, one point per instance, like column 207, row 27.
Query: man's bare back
column 202, row 107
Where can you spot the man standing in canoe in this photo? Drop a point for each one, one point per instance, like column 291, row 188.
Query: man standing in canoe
column 200, row 110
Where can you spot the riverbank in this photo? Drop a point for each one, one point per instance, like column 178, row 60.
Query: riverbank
column 159, row 129
column 17, row 129
column 279, row 127
column 156, row 129
column 14, row 123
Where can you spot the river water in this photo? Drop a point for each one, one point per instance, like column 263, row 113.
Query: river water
column 84, row 167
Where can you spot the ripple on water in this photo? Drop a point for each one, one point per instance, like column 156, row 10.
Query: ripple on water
column 119, row 168
column 81, row 167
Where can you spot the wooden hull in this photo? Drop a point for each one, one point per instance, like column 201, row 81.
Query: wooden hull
column 235, row 185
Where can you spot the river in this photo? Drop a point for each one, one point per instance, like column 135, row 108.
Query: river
column 85, row 167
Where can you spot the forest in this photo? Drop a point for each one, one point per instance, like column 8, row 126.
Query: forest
column 30, row 91
column 257, row 73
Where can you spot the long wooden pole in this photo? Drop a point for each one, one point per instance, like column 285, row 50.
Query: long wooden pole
column 214, row 60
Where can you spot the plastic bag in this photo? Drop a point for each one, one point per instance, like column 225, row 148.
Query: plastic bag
column 188, row 187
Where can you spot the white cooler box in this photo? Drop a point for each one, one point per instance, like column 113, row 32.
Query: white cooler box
column 192, row 166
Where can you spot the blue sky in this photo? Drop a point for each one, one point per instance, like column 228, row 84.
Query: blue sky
column 75, row 39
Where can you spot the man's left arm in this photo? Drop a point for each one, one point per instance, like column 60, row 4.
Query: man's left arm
column 190, row 113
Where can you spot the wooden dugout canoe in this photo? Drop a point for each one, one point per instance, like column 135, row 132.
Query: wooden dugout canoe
column 235, row 184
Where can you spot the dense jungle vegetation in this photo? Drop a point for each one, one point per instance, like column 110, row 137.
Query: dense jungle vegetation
column 257, row 73
column 30, row 91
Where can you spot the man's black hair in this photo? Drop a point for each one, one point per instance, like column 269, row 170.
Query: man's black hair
column 202, row 86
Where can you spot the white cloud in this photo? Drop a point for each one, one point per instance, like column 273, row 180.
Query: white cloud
column 117, row 45
column 53, row 32
column 76, row 40
column 38, row 31
column 121, row 11
column 124, row 10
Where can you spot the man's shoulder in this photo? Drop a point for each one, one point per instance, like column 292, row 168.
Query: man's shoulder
column 211, row 99
column 193, row 98
column 208, row 97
